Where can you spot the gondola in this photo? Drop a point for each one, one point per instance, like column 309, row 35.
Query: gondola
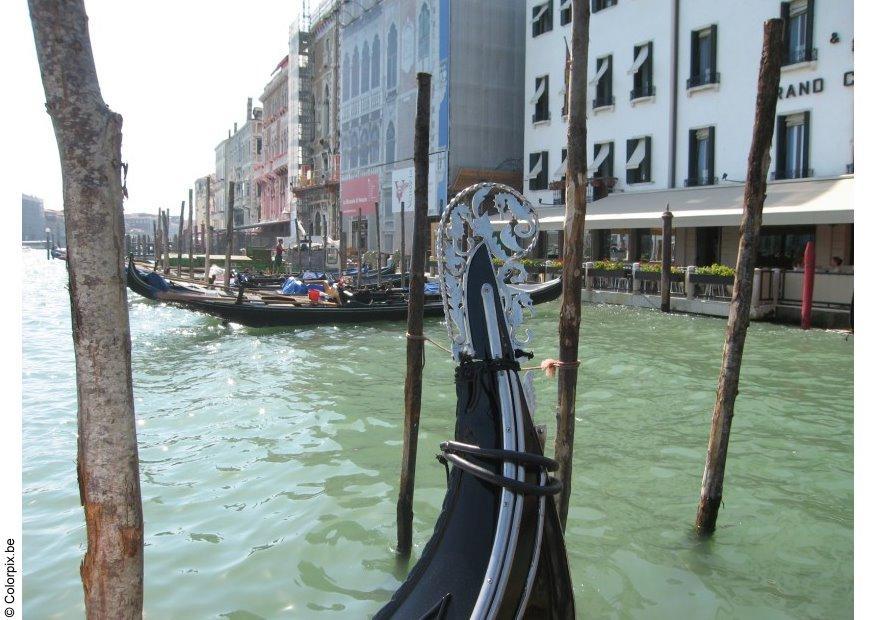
column 497, row 550
column 286, row 312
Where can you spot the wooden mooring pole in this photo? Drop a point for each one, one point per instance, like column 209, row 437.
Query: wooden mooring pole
column 807, row 284
column 739, row 308
column 207, row 237
column 179, row 240
column 572, row 256
column 415, row 343
column 665, row 276
column 89, row 138
column 229, row 233
column 403, row 247
column 358, row 246
column 379, row 244
column 191, row 234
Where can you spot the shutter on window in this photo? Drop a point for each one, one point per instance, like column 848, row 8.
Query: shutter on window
column 806, row 133
column 630, row 148
column 781, row 147
column 692, row 173
column 610, row 167
column 542, row 177
column 713, row 66
column 694, row 53
column 785, row 19
column 648, row 64
column 645, row 172
column 609, row 76
column 809, row 30
column 711, row 173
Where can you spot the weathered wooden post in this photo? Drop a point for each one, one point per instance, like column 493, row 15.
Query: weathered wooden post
column 89, row 139
column 807, row 284
column 166, row 240
column 324, row 244
column 379, row 244
column 359, row 248
column 341, row 237
column 179, row 241
column 229, row 233
column 739, row 308
column 415, row 342
column 191, row 234
column 572, row 255
column 207, row 232
column 48, row 244
column 665, row 276
column 155, row 240
column 403, row 245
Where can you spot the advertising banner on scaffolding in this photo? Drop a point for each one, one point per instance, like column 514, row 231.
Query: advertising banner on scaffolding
column 359, row 193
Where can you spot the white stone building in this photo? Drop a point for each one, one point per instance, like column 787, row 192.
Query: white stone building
column 670, row 115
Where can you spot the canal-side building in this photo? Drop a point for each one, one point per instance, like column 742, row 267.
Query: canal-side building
column 474, row 50
column 272, row 168
column 316, row 186
column 33, row 221
column 236, row 157
column 201, row 209
column 54, row 221
column 672, row 87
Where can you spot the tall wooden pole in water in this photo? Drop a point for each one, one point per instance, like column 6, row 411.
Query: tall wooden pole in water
column 665, row 275
column 415, row 343
column 403, row 245
column 191, row 234
column 207, row 236
column 89, row 139
column 807, row 284
column 358, row 245
column 739, row 308
column 572, row 255
column 166, row 240
column 379, row 244
column 179, row 240
column 229, row 233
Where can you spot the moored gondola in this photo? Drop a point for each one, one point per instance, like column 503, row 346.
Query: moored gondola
column 497, row 549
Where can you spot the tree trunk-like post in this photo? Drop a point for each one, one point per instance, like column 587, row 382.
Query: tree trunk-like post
column 403, row 246
column 48, row 244
column 155, row 242
column 572, row 255
column 358, row 246
column 325, row 245
column 179, row 241
column 807, row 284
column 191, row 234
column 416, row 298
column 229, row 233
column 739, row 308
column 342, row 250
column 379, row 244
column 166, row 240
column 207, row 237
column 89, row 144
column 665, row 275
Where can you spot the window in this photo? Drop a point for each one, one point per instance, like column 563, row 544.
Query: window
column 392, row 57
column 375, row 144
column 642, row 72
column 366, row 68
column 258, row 145
column 326, row 111
column 345, row 87
column 355, row 73
column 638, row 160
column 424, row 32
column 541, row 99
column 604, row 87
column 603, row 160
column 560, row 171
column 375, row 62
column 564, row 12
column 542, row 18
column 793, row 146
column 783, row 246
column 538, row 170
column 363, row 147
column 701, row 157
column 598, row 5
column 703, row 57
column 390, row 144
column 798, row 18
column 353, row 149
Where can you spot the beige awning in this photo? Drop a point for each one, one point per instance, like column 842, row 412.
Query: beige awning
column 816, row 201
column 602, row 69
column 637, row 155
column 600, row 156
column 643, row 53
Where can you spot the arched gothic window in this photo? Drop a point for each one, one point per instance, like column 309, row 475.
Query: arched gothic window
column 424, row 31
column 345, row 83
column 375, row 62
column 355, row 73
column 326, row 112
column 390, row 143
column 392, row 57
column 366, row 68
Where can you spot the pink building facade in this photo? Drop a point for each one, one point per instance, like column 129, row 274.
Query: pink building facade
column 272, row 169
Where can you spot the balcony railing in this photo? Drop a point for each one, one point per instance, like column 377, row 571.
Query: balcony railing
column 799, row 173
column 643, row 91
column 603, row 101
column 802, row 54
column 706, row 77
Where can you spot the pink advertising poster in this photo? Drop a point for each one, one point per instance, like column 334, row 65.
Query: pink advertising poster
column 360, row 193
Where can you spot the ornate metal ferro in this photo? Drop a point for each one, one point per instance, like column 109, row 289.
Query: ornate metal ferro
column 501, row 218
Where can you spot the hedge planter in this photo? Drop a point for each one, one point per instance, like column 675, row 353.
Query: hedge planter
column 609, row 273
column 656, row 276
column 698, row 278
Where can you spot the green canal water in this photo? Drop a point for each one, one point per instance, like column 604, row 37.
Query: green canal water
column 270, row 461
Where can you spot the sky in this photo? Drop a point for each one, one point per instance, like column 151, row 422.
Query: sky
column 178, row 72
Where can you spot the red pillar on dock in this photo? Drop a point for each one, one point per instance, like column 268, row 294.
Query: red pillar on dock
column 807, row 285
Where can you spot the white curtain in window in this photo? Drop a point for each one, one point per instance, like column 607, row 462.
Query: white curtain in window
column 541, row 12
column 637, row 156
column 560, row 171
column 600, row 156
column 603, row 68
column 643, row 53
column 539, row 90
column 536, row 169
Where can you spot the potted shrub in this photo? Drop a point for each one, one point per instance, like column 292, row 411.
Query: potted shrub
column 652, row 272
column 608, row 269
column 714, row 274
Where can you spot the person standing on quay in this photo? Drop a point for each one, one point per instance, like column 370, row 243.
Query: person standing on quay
column 278, row 256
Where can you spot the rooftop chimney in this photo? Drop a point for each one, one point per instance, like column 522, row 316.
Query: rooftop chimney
column 235, row 127
column 249, row 109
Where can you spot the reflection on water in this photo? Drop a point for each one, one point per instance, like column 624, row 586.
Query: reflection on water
column 270, row 460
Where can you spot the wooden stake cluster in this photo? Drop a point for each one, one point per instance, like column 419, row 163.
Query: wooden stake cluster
column 416, row 298
column 739, row 308
column 229, row 233
column 572, row 257
column 190, row 234
column 89, row 138
column 665, row 275
column 179, row 241
column 207, row 233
